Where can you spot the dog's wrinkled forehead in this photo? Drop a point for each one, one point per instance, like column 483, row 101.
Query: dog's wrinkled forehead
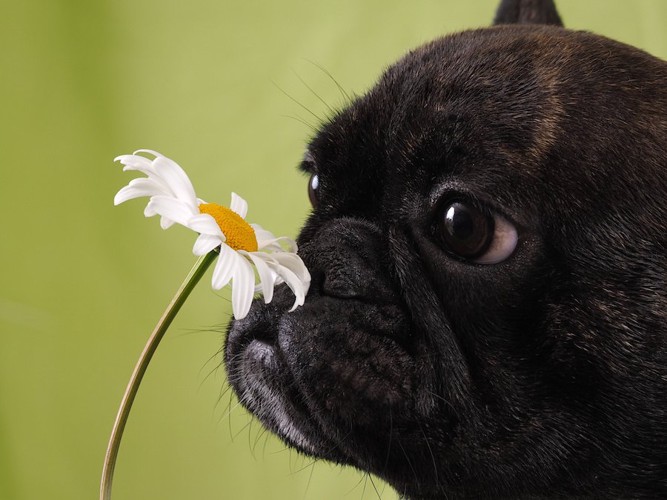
column 479, row 102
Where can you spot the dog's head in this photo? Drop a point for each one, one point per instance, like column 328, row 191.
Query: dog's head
column 488, row 251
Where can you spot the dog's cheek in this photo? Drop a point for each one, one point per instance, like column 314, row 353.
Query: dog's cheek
column 351, row 369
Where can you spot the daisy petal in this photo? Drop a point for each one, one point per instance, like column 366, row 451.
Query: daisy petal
column 267, row 241
column 243, row 288
column 298, row 287
column 135, row 162
column 267, row 277
column 150, row 152
column 136, row 189
column 239, row 205
column 205, row 243
column 294, row 263
column 165, row 223
column 205, row 224
column 281, row 244
column 224, row 268
column 261, row 233
column 176, row 178
column 171, row 208
column 145, row 166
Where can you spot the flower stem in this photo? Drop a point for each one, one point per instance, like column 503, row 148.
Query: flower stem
column 168, row 316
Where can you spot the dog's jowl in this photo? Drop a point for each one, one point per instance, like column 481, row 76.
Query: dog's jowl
column 488, row 250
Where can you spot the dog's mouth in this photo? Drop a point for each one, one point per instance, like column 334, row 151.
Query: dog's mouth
column 265, row 386
column 262, row 368
column 334, row 392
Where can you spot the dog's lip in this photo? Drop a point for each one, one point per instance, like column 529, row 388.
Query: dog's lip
column 280, row 417
column 260, row 374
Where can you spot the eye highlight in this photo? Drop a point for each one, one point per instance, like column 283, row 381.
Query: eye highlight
column 313, row 190
column 474, row 234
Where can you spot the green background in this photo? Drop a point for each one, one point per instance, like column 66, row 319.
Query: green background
column 225, row 89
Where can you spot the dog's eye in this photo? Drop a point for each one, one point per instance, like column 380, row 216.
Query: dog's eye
column 313, row 193
column 476, row 235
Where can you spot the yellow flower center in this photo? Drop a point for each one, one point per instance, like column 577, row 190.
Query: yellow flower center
column 240, row 235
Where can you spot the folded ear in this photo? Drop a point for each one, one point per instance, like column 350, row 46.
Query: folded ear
column 527, row 12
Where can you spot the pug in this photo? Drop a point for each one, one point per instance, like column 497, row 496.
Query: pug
column 487, row 316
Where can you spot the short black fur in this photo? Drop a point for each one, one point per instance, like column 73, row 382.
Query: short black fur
column 542, row 376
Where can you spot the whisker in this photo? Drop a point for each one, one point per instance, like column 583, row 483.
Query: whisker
column 430, row 450
column 311, row 463
column 310, row 478
column 303, row 106
column 377, row 492
column 407, row 459
column 249, row 426
column 391, row 438
column 363, row 491
column 343, row 92
column 331, row 110
column 230, row 409
column 262, row 433
column 246, row 426
column 312, row 127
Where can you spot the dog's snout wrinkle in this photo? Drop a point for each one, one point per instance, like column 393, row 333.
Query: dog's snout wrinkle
column 350, row 279
column 360, row 273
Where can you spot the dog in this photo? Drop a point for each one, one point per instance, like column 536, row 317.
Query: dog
column 487, row 316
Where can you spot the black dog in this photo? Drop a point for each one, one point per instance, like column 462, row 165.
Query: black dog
column 488, row 248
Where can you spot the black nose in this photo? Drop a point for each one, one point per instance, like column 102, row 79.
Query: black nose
column 350, row 259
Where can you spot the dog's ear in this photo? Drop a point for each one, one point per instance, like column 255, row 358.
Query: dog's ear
column 527, row 12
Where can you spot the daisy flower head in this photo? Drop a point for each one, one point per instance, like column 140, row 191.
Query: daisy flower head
column 250, row 257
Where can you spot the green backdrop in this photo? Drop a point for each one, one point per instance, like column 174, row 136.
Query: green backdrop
column 225, row 89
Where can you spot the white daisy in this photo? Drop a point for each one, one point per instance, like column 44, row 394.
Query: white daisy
column 242, row 246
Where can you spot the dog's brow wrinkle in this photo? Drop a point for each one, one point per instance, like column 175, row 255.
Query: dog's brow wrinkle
column 546, row 133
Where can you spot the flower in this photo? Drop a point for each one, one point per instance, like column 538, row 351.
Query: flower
column 244, row 248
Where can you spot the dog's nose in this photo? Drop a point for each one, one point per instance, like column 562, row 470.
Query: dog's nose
column 348, row 256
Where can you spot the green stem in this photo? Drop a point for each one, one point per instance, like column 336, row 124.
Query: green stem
column 168, row 316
